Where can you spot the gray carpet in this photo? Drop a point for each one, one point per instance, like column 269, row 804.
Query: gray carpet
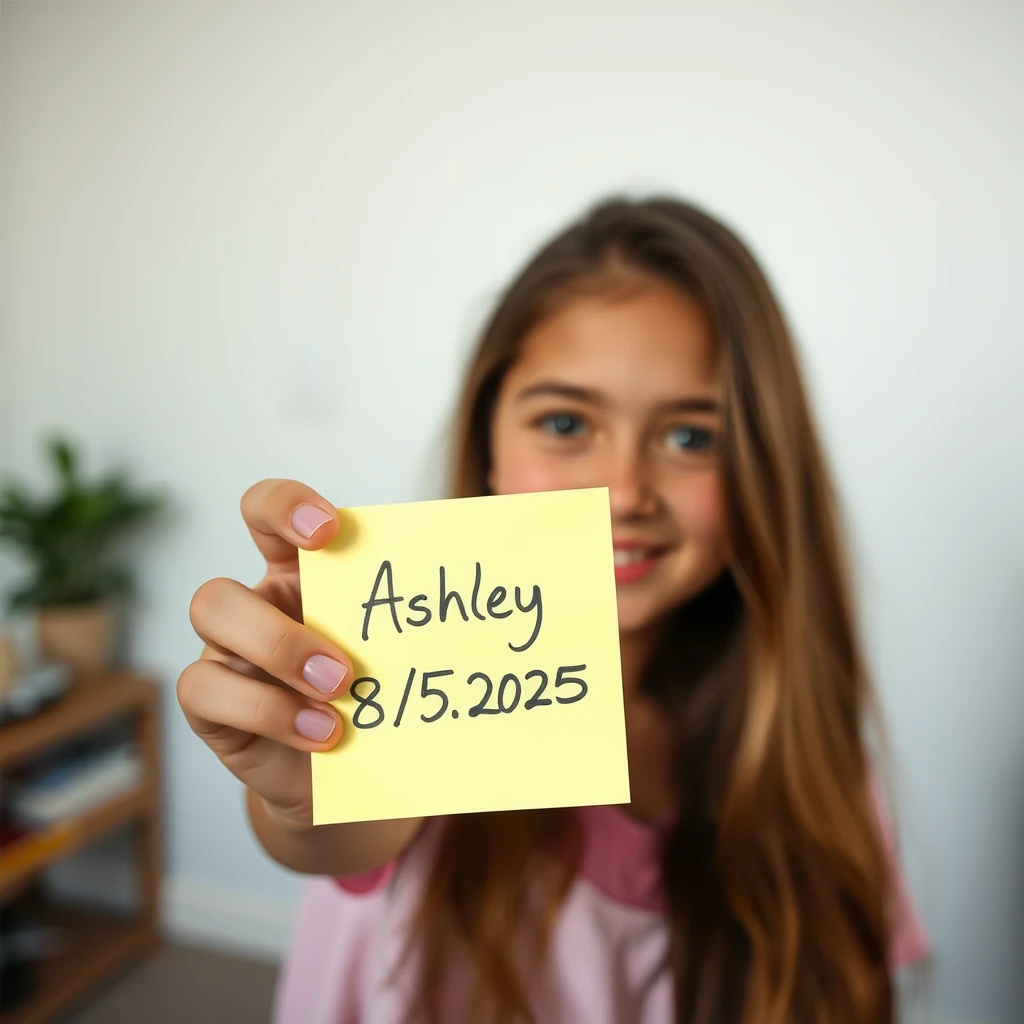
column 180, row 984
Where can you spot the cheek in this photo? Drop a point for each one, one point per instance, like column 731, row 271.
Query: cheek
column 699, row 510
column 518, row 467
column 518, row 471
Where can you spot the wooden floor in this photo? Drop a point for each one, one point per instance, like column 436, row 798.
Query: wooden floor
column 182, row 984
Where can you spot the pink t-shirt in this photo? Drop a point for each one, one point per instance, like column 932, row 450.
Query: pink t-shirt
column 608, row 957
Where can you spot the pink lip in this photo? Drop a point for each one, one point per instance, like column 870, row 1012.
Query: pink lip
column 634, row 571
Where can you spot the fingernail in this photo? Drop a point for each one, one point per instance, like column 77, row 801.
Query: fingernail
column 307, row 519
column 315, row 725
column 323, row 673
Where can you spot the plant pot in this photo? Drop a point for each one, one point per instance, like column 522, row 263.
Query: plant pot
column 81, row 636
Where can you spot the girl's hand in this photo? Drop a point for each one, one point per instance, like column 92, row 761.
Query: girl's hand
column 258, row 694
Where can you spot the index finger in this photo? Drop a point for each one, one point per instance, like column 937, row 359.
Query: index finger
column 283, row 515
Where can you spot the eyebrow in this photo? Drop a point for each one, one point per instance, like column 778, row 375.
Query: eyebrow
column 591, row 397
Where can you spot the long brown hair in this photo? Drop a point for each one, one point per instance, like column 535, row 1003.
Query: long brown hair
column 775, row 874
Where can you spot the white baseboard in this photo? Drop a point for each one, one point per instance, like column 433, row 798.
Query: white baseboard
column 194, row 912
column 204, row 915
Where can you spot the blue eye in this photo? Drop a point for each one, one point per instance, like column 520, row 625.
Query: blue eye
column 563, row 424
column 690, row 439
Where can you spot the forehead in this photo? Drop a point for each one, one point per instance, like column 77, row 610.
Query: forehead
column 654, row 339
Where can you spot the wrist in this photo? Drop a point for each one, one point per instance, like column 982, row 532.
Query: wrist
column 285, row 819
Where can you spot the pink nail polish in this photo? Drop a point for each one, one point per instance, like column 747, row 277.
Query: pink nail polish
column 323, row 673
column 315, row 725
column 307, row 519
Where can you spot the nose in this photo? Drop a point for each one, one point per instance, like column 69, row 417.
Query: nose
column 630, row 485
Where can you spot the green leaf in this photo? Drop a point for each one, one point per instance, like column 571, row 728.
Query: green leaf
column 68, row 537
column 64, row 458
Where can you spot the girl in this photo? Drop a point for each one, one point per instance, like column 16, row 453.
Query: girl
column 751, row 879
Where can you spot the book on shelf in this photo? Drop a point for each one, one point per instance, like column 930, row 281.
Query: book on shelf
column 74, row 784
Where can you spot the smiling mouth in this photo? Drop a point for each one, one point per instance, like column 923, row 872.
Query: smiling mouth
column 633, row 563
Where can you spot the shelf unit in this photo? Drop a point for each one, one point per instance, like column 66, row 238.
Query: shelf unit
column 97, row 944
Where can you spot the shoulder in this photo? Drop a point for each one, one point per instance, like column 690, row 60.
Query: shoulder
column 620, row 857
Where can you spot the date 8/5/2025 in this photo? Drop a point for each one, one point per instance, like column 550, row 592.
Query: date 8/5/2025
column 501, row 698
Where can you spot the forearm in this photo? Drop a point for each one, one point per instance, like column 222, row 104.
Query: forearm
column 330, row 849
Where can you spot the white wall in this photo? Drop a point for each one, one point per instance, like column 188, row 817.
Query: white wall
column 250, row 240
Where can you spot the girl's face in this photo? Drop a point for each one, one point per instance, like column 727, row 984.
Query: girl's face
column 623, row 393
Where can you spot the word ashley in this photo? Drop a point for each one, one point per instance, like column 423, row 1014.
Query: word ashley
column 446, row 598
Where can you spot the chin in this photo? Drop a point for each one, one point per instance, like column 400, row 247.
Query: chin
column 636, row 616
column 639, row 611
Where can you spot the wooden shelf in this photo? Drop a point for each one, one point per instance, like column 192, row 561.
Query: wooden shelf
column 97, row 944
column 37, row 850
column 90, row 703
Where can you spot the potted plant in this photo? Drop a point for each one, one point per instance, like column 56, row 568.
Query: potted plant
column 68, row 541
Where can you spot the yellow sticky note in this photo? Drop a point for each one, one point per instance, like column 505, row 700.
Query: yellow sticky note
column 485, row 640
